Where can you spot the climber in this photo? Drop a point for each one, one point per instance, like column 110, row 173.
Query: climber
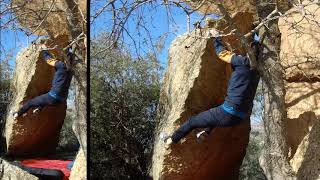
column 238, row 103
column 60, row 84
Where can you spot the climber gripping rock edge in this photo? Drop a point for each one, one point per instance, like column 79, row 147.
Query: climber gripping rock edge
column 238, row 102
column 60, row 85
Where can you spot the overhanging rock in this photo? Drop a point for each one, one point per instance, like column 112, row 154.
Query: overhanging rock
column 232, row 6
column 300, row 44
column 300, row 58
column 46, row 17
column 32, row 133
column 196, row 81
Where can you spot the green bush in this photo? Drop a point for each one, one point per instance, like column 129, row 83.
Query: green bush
column 68, row 140
column 124, row 93
column 250, row 169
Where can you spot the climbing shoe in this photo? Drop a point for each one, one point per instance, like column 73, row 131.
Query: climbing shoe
column 36, row 110
column 201, row 136
column 15, row 115
column 165, row 138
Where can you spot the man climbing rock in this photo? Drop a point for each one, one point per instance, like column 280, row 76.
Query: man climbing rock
column 238, row 103
column 60, row 85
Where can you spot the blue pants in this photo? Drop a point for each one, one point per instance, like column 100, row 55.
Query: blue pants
column 215, row 117
column 38, row 102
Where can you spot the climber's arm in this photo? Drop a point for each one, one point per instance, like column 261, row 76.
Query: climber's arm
column 221, row 50
column 227, row 56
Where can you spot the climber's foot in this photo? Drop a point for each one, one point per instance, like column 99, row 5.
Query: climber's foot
column 36, row 111
column 201, row 136
column 15, row 115
column 165, row 138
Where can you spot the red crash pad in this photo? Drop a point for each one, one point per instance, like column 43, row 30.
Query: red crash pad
column 49, row 164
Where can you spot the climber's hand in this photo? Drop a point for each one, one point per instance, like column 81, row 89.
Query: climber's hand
column 43, row 47
column 214, row 33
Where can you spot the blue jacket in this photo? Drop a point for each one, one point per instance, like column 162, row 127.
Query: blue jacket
column 242, row 84
column 61, row 80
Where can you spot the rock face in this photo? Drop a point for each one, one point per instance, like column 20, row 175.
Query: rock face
column 196, row 81
column 32, row 134
column 300, row 52
column 31, row 14
column 300, row 57
column 56, row 19
column 232, row 6
column 9, row 171
column 79, row 169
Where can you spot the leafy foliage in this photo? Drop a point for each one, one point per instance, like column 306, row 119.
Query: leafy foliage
column 124, row 99
column 4, row 97
column 68, row 140
column 250, row 168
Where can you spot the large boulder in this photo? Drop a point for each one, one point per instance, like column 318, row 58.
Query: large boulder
column 300, row 42
column 46, row 17
column 256, row 8
column 79, row 169
column 300, row 54
column 232, row 6
column 9, row 171
column 32, row 133
column 306, row 159
column 302, row 127
column 196, row 81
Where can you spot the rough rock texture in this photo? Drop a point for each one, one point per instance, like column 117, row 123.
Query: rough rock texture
column 300, row 46
column 302, row 97
column 231, row 41
column 232, row 6
column 300, row 57
column 11, row 172
column 32, row 134
column 63, row 25
column 196, row 81
column 306, row 160
column 79, row 169
column 302, row 128
column 35, row 12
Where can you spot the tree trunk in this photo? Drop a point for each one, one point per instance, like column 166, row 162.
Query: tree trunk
column 79, row 125
column 77, row 27
column 273, row 160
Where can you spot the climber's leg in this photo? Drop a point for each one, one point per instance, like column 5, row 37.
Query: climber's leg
column 202, row 120
column 39, row 101
column 210, row 119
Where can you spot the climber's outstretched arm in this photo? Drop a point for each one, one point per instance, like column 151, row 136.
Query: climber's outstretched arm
column 221, row 50
column 228, row 56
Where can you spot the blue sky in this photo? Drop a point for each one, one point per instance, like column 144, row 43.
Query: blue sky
column 11, row 41
column 156, row 21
